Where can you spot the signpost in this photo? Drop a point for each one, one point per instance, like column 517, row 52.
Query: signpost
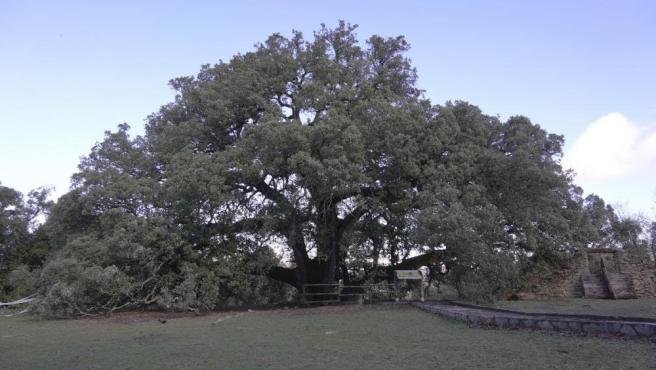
column 408, row 274
column 411, row 275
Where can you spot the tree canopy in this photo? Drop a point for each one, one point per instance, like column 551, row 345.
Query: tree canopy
column 307, row 161
column 22, row 243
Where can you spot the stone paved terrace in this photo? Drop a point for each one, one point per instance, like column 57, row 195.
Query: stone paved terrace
column 476, row 315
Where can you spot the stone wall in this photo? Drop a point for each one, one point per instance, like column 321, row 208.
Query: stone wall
column 642, row 271
column 484, row 316
column 566, row 283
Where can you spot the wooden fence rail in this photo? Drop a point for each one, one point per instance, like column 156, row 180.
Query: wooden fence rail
column 336, row 293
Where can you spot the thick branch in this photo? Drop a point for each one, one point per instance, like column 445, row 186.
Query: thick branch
column 349, row 220
column 426, row 259
column 285, row 275
column 270, row 193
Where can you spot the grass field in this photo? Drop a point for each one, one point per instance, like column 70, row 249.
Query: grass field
column 607, row 307
column 351, row 337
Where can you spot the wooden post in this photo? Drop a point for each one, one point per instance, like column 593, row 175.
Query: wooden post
column 339, row 290
column 396, row 289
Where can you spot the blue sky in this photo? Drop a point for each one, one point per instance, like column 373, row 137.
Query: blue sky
column 71, row 70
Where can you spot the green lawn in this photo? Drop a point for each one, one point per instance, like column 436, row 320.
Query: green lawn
column 358, row 337
column 624, row 307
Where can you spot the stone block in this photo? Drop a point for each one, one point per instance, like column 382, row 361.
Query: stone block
column 593, row 328
column 544, row 324
column 560, row 325
column 645, row 330
column 575, row 326
column 474, row 319
column 529, row 323
column 513, row 323
column 628, row 330
column 613, row 327
column 487, row 320
column 501, row 321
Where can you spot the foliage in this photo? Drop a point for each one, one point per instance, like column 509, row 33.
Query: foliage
column 135, row 262
column 21, row 243
column 652, row 240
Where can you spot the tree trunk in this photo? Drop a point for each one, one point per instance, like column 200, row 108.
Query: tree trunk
column 297, row 243
column 328, row 242
column 329, row 233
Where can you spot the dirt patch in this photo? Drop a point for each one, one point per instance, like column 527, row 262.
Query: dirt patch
column 163, row 317
column 136, row 317
column 337, row 309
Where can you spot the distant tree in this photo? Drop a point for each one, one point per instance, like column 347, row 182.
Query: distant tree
column 21, row 241
column 652, row 240
column 600, row 222
column 13, row 228
column 627, row 233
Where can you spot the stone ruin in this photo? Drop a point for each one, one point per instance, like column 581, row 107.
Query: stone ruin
column 598, row 273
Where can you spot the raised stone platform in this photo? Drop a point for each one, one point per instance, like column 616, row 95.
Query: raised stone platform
column 477, row 315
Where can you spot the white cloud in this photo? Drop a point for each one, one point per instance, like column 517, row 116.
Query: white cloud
column 612, row 147
column 648, row 146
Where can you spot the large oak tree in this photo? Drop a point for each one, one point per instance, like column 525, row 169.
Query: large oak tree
column 326, row 153
column 300, row 144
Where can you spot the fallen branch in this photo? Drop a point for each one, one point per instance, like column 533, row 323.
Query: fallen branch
column 218, row 321
column 19, row 301
column 15, row 314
